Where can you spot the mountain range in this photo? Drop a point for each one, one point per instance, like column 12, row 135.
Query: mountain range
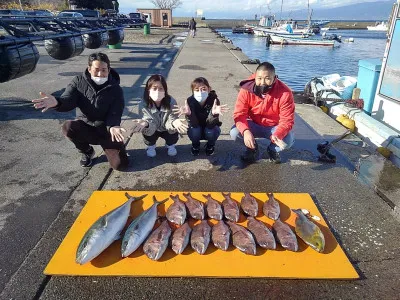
column 379, row 10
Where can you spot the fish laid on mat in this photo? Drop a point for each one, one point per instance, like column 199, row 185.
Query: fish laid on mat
column 180, row 238
column 104, row 231
column 242, row 238
column 214, row 208
column 230, row 207
column 261, row 233
column 249, row 205
column 220, row 235
column 271, row 207
column 195, row 207
column 155, row 245
column 309, row 232
column 200, row 237
column 139, row 229
column 285, row 236
column 176, row 212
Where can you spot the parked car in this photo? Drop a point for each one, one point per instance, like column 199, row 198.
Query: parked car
column 110, row 13
column 87, row 13
column 137, row 20
column 65, row 14
column 11, row 13
column 38, row 13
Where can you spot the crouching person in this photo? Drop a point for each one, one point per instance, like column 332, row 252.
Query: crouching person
column 99, row 102
column 264, row 109
column 157, row 120
column 202, row 110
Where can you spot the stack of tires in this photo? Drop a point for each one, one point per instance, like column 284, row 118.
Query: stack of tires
column 115, row 36
column 95, row 40
column 64, row 48
column 17, row 60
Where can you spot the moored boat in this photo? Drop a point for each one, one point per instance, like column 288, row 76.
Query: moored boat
column 282, row 40
column 379, row 27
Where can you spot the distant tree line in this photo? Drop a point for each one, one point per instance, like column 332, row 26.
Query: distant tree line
column 93, row 4
column 90, row 4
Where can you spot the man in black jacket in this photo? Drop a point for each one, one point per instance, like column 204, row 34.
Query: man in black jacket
column 99, row 102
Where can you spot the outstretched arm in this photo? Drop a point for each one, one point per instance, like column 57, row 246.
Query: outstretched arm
column 45, row 102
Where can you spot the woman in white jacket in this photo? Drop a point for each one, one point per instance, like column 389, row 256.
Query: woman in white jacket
column 157, row 117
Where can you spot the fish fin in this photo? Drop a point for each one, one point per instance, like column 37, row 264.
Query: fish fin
column 104, row 222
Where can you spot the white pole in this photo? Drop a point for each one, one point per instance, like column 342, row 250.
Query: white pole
column 20, row 5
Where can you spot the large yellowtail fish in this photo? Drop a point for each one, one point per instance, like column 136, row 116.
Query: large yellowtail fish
column 104, row 231
column 140, row 228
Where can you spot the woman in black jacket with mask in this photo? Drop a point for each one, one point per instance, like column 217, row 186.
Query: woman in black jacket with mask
column 202, row 110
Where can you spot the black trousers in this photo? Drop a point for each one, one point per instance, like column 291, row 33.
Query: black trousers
column 170, row 138
column 83, row 135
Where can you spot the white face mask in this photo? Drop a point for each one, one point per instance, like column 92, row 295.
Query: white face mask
column 200, row 96
column 156, row 95
column 99, row 80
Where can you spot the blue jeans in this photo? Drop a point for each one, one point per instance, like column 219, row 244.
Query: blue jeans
column 203, row 133
column 263, row 132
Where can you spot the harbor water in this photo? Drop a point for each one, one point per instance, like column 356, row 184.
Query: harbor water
column 296, row 65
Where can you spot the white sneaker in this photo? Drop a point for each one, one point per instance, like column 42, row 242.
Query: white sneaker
column 172, row 150
column 151, row 151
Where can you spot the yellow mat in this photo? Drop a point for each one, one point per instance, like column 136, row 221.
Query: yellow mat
column 280, row 263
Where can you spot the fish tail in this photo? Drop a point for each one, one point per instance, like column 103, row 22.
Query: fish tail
column 132, row 198
column 159, row 202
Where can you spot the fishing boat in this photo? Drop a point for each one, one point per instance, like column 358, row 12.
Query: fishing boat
column 265, row 32
column 328, row 28
column 243, row 29
column 378, row 27
column 276, row 39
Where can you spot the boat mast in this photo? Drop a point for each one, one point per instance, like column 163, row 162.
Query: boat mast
column 281, row 9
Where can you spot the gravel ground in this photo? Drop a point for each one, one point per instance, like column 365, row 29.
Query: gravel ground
column 156, row 36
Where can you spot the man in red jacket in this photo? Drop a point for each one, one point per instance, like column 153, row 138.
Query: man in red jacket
column 264, row 109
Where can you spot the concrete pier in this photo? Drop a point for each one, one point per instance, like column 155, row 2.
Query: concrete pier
column 44, row 188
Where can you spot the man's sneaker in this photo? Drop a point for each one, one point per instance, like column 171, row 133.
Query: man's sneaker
column 87, row 157
column 209, row 149
column 251, row 155
column 151, row 151
column 195, row 151
column 274, row 156
column 172, row 150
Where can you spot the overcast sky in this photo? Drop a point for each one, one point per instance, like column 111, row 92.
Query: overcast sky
column 237, row 8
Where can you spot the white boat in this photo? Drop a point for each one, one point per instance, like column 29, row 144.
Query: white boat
column 379, row 27
column 268, row 25
column 281, row 40
column 328, row 28
column 265, row 32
